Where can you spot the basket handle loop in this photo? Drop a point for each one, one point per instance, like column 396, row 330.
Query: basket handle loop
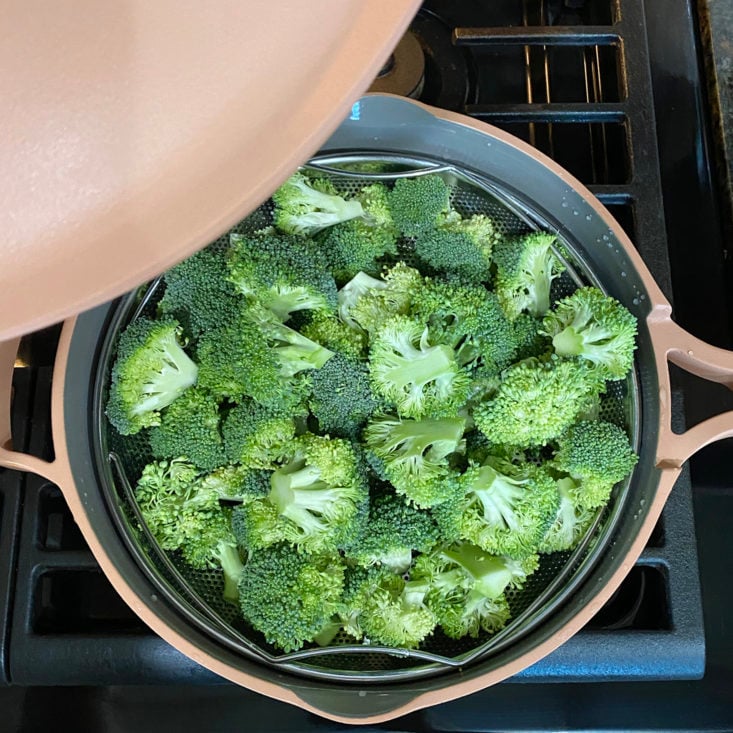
column 673, row 344
column 8, row 457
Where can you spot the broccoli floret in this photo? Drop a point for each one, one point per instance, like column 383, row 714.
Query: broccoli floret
column 382, row 607
column 290, row 596
column 491, row 575
column 236, row 484
column 356, row 245
column 331, row 332
column 198, row 294
column 593, row 326
column 420, row 379
column 163, row 491
column 571, row 522
column 378, row 305
column 189, row 427
column 461, row 608
column 341, row 397
column 257, row 437
column 507, row 508
column 597, row 455
column 416, row 455
column 525, row 269
column 150, row 372
column 528, row 337
column 460, row 247
column 318, row 498
column 417, row 203
column 284, row 274
column 535, row 402
column 303, row 209
column 295, row 352
column 394, row 530
column 350, row 293
column 470, row 320
column 184, row 516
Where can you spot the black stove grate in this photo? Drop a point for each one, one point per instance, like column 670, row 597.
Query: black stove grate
column 571, row 77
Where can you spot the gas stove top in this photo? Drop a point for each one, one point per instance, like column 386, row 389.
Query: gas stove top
column 611, row 90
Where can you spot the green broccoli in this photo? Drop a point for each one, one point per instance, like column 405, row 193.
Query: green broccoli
column 305, row 207
column 378, row 305
column 150, row 372
column 182, row 516
column 290, row 596
column 255, row 436
column 507, row 508
column 419, row 378
column 341, row 397
column 525, row 269
column 597, row 455
column 237, row 484
column 357, row 245
column 382, row 607
column 460, row 608
column 571, row 522
column 318, row 498
column 198, row 294
column 190, row 427
column 394, row 530
column 470, row 320
column 330, row 331
column 535, row 402
column 593, row 326
column 528, row 337
column 417, row 203
column 284, row 274
column 460, row 247
column 416, row 455
column 349, row 295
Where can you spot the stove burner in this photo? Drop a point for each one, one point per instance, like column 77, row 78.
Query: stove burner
column 404, row 72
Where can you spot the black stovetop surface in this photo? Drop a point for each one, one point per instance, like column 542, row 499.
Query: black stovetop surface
column 612, row 90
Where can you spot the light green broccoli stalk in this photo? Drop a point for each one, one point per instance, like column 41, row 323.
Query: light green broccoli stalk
column 571, row 522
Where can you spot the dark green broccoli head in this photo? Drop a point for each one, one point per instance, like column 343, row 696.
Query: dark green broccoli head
column 256, row 436
column 198, row 294
column 417, row 203
column 290, row 596
column 341, row 397
column 151, row 370
column 597, row 455
column 190, row 427
column 330, row 331
column 394, row 530
column 284, row 274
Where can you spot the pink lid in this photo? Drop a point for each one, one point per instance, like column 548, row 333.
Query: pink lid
column 133, row 133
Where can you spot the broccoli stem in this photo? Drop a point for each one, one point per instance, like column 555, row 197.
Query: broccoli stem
column 422, row 367
column 491, row 574
column 497, row 495
column 567, row 342
column 232, row 566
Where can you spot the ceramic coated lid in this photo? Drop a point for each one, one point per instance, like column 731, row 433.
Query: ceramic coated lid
column 133, row 133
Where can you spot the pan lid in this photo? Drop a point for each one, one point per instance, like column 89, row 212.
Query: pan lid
column 134, row 133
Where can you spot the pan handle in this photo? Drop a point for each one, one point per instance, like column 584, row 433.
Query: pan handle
column 8, row 457
column 673, row 344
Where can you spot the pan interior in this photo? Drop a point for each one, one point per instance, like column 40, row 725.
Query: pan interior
column 197, row 595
